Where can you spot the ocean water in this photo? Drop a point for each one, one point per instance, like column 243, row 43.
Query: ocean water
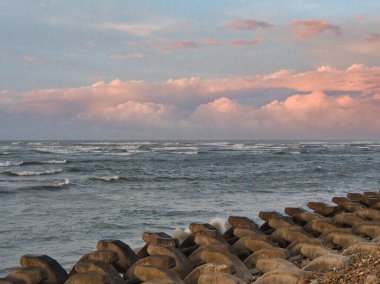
column 60, row 197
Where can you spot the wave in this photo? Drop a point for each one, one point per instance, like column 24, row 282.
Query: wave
column 11, row 164
column 49, row 186
column 31, row 173
column 106, row 178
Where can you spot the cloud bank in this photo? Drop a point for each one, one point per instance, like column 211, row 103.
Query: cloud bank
column 322, row 103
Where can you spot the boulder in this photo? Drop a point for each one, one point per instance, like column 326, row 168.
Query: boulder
column 225, row 257
column 328, row 262
column 253, row 234
column 352, row 206
column 30, row 274
column 290, row 234
column 291, row 211
column 100, row 268
column 219, row 278
column 251, row 260
column 196, row 227
column 340, row 200
column 320, row 225
column 7, row 280
column 159, row 261
column 265, row 265
column 370, row 229
column 151, row 273
column 282, row 277
column 160, row 238
column 88, row 278
column 368, row 213
column 308, row 250
column 56, row 273
column 208, row 237
column 323, row 209
column 194, row 275
column 251, row 244
column 242, row 222
column 350, row 219
column 183, row 265
column 362, row 247
column 127, row 257
column 196, row 259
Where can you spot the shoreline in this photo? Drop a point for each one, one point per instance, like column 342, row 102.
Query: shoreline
column 337, row 243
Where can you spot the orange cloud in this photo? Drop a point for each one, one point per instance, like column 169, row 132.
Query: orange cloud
column 248, row 25
column 313, row 27
column 323, row 102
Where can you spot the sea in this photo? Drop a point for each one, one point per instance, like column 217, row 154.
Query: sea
column 60, row 197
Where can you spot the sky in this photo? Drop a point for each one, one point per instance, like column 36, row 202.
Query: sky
column 179, row 69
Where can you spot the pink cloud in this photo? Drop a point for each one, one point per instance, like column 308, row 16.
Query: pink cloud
column 313, row 27
column 241, row 42
column 373, row 37
column 195, row 105
column 184, row 44
column 248, row 25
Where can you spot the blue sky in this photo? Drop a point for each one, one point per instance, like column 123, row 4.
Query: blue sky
column 53, row 44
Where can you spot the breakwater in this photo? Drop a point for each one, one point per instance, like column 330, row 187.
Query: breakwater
column 287, row 248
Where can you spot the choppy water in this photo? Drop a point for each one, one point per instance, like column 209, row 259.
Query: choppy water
column 59, row 198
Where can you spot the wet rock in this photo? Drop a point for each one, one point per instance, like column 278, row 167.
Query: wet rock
column 99, row 268
column 127, row 257
column 56, row 273
column 151, row 273
column 159, row 261
column 183, row 265
column 194, row 275
column 328, row 262
column 30, row 274
column 88, row 278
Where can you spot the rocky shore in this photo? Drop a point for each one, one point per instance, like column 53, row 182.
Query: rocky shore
column 337, row 243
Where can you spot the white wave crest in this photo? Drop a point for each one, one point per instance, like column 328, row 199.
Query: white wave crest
column 56, row 161
column 31, row 173
column 221, row 225
column 106, row 178
column 11, row 164
column 180, row 234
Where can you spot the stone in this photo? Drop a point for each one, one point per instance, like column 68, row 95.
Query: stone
column 188, row 242
column 196, row 259
column 328, row 262
column 346, row 240
column 208, row 237
column 370, row 229
column 127, row 257
column 100, row 268
column 194, row 275
column 323, row 209
column 282, row 277
column 242, row 222
column 225, row 257
column 350, row 219
column 183, row 265
column 88, row 278
column 340, row 200
column 352, row 206
column 291, row 211
column 355, row 196
column 277, row 223
column 290, row 234
column 320, row 225
column 368, row 213
column 149, row 273
column 196, row 227
column 149, row 236
column 305, row 217
column 308, row 250
column 159, row 261
column 253, row 234
column 251, row 244
column 30, row 274
column 251, row 260
column 362, row 247
column 56, row 273
column 265, row 265
column 142, row 252
column 219, row 278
